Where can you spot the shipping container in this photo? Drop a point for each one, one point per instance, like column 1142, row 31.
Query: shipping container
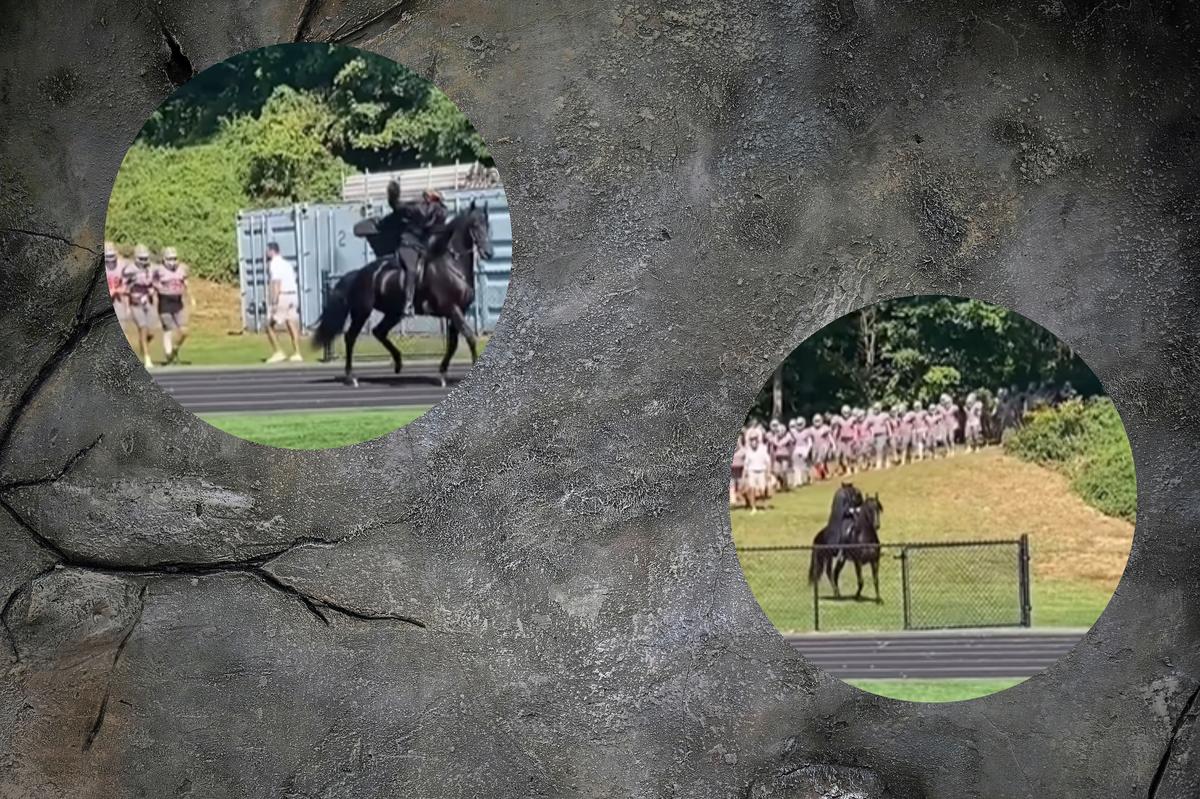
column 320, row 241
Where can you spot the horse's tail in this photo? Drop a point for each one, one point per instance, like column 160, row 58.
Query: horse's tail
column 337, row 308
column 816, row 562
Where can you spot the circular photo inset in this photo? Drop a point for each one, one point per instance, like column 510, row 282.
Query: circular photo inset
column 933, row 499
column 307, row 245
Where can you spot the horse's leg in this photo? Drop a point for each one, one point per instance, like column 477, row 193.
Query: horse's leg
column 356, row 325
column 875, row 577
column 381, row 330
column 837, row 575
column 451, row 346
column 464, row 327
column 858, row 574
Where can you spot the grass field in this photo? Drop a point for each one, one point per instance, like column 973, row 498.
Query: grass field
column 934, row 690
column 313, row 430
column 1078, row 553
column 216, row 337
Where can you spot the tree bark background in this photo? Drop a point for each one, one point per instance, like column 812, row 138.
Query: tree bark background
column 532, row 590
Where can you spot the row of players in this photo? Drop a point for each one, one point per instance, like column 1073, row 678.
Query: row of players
column 856, row 439
column 149, row 295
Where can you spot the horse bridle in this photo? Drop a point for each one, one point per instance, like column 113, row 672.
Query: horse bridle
column 476, row 250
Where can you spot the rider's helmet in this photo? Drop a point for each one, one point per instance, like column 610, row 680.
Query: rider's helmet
column 170, row 257
column 141, row 254
column 110, row 253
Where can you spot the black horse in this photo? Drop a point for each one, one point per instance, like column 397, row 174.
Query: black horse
column 846, row 500
column 446, row 289
column 862, row 546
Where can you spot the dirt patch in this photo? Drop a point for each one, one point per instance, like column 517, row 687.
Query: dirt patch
column 218, row 306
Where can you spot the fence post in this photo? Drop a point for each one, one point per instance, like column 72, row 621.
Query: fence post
column 816, row 604
column 1023, row 572
column 904, row 586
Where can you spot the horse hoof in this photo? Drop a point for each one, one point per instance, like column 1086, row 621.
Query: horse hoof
column 352, row 381
column 442, row 380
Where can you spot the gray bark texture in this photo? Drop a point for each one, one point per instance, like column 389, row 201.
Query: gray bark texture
column 532, row 590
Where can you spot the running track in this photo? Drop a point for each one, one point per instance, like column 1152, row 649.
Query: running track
column 282, row 387
column 935, row 655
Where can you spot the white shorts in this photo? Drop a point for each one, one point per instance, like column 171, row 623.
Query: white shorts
column 286, row 309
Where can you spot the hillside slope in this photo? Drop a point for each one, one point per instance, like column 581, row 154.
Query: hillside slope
column 971, row 496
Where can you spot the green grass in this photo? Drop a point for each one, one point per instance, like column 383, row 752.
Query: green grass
column 1077, row 554
column 204, row 348
column 952, row 690
column 313, row 430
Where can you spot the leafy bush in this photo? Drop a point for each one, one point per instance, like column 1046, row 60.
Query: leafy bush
column 286, row 151
column 189, row 197
column 1107, row 482
column 1087, row 442
column 184, row 198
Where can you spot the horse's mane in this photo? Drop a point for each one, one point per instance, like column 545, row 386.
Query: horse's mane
column 440, row 242
column 867, row 518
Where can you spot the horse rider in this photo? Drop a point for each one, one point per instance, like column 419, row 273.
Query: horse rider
column 410, row 226
column 431, row 215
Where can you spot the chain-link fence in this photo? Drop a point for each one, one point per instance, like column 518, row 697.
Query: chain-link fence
column 921, row 586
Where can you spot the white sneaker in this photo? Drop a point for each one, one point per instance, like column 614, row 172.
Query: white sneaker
column 296, row 357
column 276, row 357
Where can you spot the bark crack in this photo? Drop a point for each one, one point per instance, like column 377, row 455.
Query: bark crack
column 51, row 236
column 376, row 24
column 1168, row 753
column 315, row 604
column 8, row 633
column 103, row 711
column 178, row 67
column 255, row 566
column 83, row 325
column 56, row 475
column 305, row 20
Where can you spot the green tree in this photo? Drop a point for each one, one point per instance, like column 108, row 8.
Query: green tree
column 918, row 348
column 289, row 160
column 382, row 114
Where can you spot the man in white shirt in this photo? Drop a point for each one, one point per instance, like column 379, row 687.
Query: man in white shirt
column 283, row 302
